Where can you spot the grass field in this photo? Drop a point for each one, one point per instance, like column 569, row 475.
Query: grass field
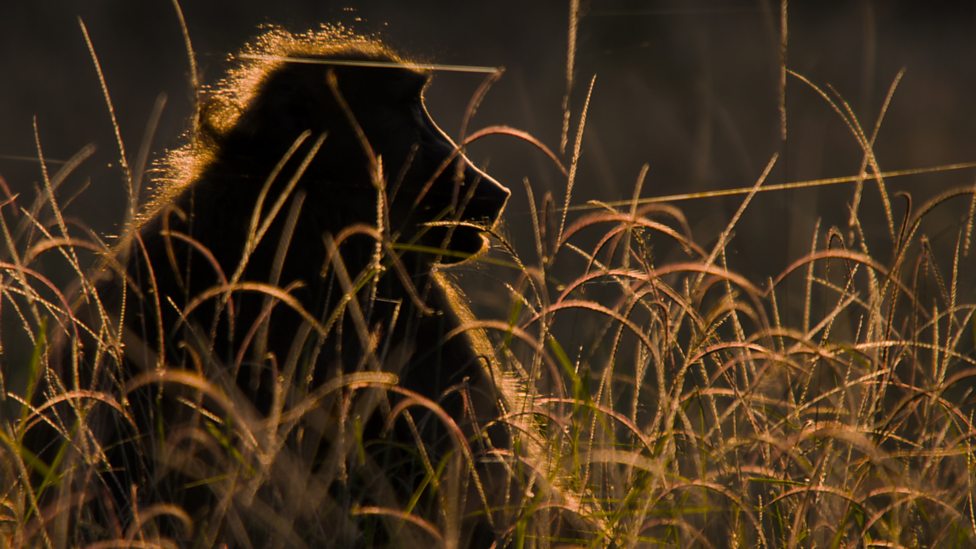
column 666, row 399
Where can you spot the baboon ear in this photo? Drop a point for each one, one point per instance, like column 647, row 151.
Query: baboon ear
column 286, row 104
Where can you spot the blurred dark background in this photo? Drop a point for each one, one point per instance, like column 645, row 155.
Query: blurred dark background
column 689, row 87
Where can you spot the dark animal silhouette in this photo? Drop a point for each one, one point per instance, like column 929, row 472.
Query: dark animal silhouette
column 297, row 238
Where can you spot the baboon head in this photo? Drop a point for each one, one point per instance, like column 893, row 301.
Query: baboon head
column 379, row 139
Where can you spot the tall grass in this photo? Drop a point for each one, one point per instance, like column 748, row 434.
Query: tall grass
column 662, row 398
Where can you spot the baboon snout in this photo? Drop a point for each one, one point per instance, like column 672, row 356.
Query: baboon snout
column 481, row 198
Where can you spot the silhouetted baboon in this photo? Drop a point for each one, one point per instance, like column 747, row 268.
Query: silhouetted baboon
column 295, row 238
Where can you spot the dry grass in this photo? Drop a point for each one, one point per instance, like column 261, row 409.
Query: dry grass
column 668, row 400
